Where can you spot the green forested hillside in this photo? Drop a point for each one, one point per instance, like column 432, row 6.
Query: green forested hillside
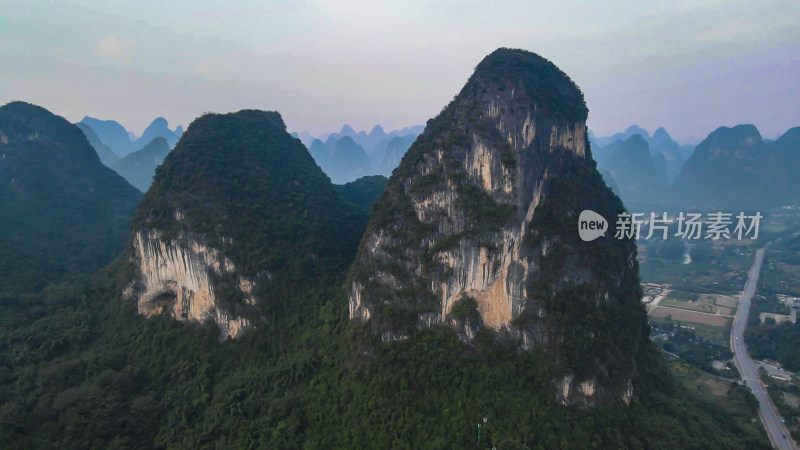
column 23, row 272
column 778, row 342
column 363, row 192
column 79, row 369
column 58, row 202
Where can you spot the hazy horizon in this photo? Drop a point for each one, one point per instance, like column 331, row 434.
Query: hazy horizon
column 688, row 68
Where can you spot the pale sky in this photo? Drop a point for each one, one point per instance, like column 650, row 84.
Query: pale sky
column 688, row 66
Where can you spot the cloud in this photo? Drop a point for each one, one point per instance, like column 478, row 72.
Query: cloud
column 113, row 48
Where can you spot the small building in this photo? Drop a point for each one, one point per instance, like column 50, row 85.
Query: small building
column 778, row 318
column 773, row 363
column 781, row 376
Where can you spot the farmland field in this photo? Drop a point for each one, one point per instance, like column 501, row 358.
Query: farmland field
column 726, row 300
column 707, row 303
column 685, row 315
column 683, row 295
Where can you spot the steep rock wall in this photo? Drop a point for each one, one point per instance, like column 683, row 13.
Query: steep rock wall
column 495, row 270
column 178, row 276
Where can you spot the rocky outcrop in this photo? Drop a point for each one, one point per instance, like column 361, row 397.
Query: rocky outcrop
column 493, row 271
column 478, row 229
column 177, row 277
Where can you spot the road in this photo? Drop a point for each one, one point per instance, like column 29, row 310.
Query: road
column 748, row 369
column 654, row 304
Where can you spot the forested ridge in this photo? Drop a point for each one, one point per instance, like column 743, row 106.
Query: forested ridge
column 80, row 369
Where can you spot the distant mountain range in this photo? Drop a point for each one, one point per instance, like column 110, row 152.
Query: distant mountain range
column 660, row 143
column 134, row 158
column 732, row 168
column 104, row 152
column 110, row 133
column 360, row 153
column 159, row 128
column 639, row 177
column 736, row 168
column 140, row 166
column 344, row 156
column 395, row 150
column 349, row 160
column 122, row 142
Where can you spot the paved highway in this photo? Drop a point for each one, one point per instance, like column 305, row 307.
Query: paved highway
column 749, row 369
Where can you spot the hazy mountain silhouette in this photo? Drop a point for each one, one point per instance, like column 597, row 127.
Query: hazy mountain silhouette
column 159, row 128
column 104, row 152
column 320, row 154
column 395, row 150
column 659, row 143
column 640, row 178
column 633, row 129
column 384, row 150
column 122, row 142
column 735, row 168
column 349, row 161
column 140, row 166
column 112, row 134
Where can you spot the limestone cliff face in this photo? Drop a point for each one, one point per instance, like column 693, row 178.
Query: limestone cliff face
column 478, row 229
column 177, row 276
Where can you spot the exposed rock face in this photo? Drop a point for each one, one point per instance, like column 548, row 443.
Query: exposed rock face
column 176, row 278
column 478, row 229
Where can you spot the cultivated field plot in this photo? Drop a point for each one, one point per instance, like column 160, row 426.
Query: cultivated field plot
column 707, row 303
column 685, row 315
column 684, row 295
column 725, row 300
